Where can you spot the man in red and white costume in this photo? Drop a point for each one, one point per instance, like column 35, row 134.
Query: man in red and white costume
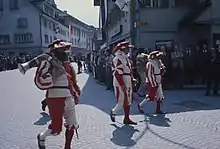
column 62, row 94
column 122, row 81
column 154, row 72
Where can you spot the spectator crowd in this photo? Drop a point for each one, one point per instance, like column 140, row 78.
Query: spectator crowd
column 11, row 61
column 197, row 67
column 194, row 67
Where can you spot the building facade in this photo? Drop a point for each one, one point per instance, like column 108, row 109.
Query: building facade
column 28, row 26
column 19, row 29
column 176, row 22
column 164, row 22
column 117, row 25
column 114, row 23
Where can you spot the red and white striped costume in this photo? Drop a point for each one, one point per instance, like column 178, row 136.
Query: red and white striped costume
column 154, row 72
column 122, row 81
column 60, row 94
column 122, row 75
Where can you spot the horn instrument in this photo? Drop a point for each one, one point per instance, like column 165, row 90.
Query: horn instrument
column 24, row 67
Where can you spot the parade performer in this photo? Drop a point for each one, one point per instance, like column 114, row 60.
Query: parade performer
column 79, row 65
column 122, row 81
column 154, row 72
column 141, row 61
column 76, row 87
column 61, row 94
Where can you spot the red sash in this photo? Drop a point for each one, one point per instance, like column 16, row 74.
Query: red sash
column 68, row 69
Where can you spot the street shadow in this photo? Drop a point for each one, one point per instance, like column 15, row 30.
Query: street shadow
column 97, row 96
column 175, row 101
column 43, row 120
column 122, row 136
column 158, row 120
column 183, row 101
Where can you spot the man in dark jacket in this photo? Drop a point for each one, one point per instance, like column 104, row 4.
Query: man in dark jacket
column 213, row 73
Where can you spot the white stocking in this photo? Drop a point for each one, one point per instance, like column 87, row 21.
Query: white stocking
column 45, row 134
column 116, row 108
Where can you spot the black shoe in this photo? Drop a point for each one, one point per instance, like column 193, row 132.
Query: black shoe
column 140, row 95
column 140, row 109
column 41, row 143
column 160, row 112
column 112, row 116
column 129, row 122
column 43, row 105
column 215, row 93
column 207, row 94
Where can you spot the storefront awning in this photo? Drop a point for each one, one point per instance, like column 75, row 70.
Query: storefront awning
column 115, row 40
column 205, row 17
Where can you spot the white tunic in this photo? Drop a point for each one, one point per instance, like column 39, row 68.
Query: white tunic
column 45, row 80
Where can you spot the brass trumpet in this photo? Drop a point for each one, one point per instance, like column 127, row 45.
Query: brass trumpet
column 24, row 67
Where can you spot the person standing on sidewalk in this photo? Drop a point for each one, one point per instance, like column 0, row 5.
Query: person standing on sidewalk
column 154, row 72
column 141, row 61
column 108, row 71
column 79, row 65
column 122, row 81
column 213, row 73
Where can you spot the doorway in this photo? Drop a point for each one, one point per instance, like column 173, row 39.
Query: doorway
column 216, row 40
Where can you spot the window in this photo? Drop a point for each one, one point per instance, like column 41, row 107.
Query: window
column 54, row 38
column 185, row 3
column 50, row 25
column 46, row 39
column 45, row 23
column 23, row 38
column 13, row 4
column 79, row 32
column 56, row 15
column 155, row 3
column 4, row 40
column 75, row 31
column 48, row 10
column 164, row 3
column 1, row 5
column 22, row 23
column 51, row 40
column 54, row 27
column 71, row 30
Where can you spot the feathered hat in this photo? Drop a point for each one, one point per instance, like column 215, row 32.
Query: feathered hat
column 122, row 45
column 59, row 45
column 155, row 54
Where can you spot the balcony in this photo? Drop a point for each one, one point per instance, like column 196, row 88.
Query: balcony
column 192, row 15
column 96, row 2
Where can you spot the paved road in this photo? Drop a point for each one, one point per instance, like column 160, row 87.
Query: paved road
column 192, row 122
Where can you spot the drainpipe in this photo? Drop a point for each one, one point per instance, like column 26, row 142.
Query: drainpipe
column 40, row 22
column 132, row 27
column 212, row 44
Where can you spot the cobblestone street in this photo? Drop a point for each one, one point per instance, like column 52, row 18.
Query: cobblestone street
column 192, row 122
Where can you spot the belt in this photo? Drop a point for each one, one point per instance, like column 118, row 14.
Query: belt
column 127, row 74
column 157, row 74
column 61, row 87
